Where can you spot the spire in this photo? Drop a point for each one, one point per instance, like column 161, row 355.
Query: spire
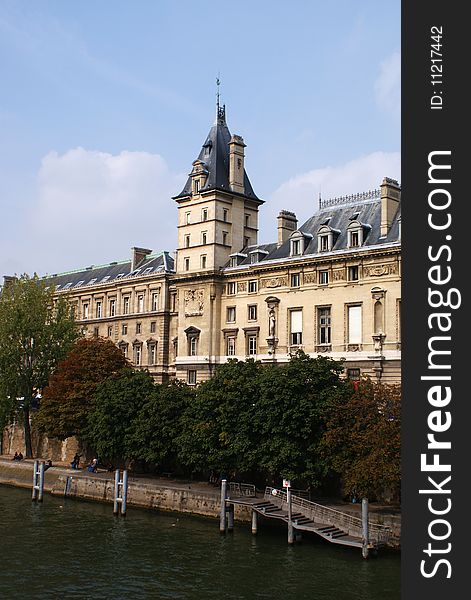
column 220, row 110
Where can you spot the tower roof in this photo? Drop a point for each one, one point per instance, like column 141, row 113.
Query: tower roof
column 215, row 156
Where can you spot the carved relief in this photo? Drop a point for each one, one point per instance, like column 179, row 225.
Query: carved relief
column 274, row 282
column 338, row 275
column 194, row 303
column 241, row 286
column 310, row 277
column 380, row 270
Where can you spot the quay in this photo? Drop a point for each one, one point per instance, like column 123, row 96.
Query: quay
column 204, row 499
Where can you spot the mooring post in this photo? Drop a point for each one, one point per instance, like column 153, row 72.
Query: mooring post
column 124, row 492
column 290, row 521
column 254, row 522
column 35, row 480
column 41, row 482
column 116, row 492
column 230, row 518
column 222, row 519
column 364, row 523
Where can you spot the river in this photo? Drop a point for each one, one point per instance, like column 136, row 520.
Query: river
column 67, row 549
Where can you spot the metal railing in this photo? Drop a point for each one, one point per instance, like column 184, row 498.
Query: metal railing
column 329, row 516
column 242, row 489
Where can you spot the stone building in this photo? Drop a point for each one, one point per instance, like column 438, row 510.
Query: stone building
column 329, row 286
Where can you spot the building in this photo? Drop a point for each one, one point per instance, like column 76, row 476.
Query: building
column 330, row 286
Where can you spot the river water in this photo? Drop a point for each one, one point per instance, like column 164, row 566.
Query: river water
column 67, row 549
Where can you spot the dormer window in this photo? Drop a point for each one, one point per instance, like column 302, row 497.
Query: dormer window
column 355, row 234
column 298, row 243
column 326, row 238
column 196, row 188
column 295, row 247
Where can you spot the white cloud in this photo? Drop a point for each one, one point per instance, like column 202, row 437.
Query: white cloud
column 300, row 193
column 93, row 206
column 388, row 85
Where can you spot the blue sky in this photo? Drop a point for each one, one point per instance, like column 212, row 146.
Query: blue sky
column 104, row 105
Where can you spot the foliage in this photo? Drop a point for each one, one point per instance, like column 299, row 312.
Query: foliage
column 70, row 395
column 36, row 332
column 363, row 439
column 111, row 422
column 217, row 430
column 289, row 417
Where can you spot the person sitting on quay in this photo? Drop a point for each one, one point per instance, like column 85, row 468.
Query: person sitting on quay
column 48, row 465
column 16, row 456
column 92, row 467
column 75, row 463
column 20, row 456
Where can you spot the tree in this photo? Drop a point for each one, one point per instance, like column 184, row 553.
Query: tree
column 36, row 332
column 112, row 421
column 70, row 395
column 289, row 420
column 362, row 441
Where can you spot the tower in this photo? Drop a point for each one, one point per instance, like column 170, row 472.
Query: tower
column 217, row 208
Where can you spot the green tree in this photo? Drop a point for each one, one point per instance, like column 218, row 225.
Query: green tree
column 36, row 332
column 289, row 420
column 217, row 431
column 362, row 441
column 112, row 421
column 70, row 395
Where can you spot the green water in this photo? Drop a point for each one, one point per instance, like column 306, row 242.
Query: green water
column 68, row 549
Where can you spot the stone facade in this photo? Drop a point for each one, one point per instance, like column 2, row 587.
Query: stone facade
column 330, row 287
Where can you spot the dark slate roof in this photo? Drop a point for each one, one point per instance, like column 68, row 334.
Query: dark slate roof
column 215, row 155
column 339, row 218
column 94, row 275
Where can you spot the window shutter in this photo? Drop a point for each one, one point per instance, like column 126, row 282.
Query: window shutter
column 296, row 321
column 354, row 325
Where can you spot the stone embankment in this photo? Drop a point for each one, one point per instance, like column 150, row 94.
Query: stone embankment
column 158, row 493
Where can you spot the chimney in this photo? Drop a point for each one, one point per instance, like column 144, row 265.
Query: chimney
column 287, row 223
column 390, row 198
column 137, row 256
column 8, row 280
column 236, row 164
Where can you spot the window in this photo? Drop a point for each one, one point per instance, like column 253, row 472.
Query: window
column 295, row 280
column 203, row 261
column 153, row 326
column 353, row 374
column 323, row 277
column 155, row 301
column 140, row 303
column 124, row 329
column 204, row 238
column 251, row 345
column 354, row 324
column 353, row 273
column 296, row 327
column 110, row 330
column 126, row 305
column 78, row 284
column 295, row 247
column 233, row 262
column 67, row 286
column 324, row 325
column 98, row 311
column 187, row 241
column 246, row 242
column 197, row 186
column 124, row 349
column 112, row 308
column 138, row 327
column 85, row 310
column 191, row 377
column 152, row 353
column 231, row 314
column 253, row 257
column 187, row 218
column 137, row 354
column 253, row 286
column 187, row 264
column 354, row 239
column 193, row 345
column 225, row 213
column 96, row 331
column 323, row 243
column 247, row 220
column 204, row 214
column 231, row 288
column 230, row 345
column 252, row 312
column 224, row 238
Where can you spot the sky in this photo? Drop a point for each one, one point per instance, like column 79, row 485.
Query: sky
column 104, row 106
